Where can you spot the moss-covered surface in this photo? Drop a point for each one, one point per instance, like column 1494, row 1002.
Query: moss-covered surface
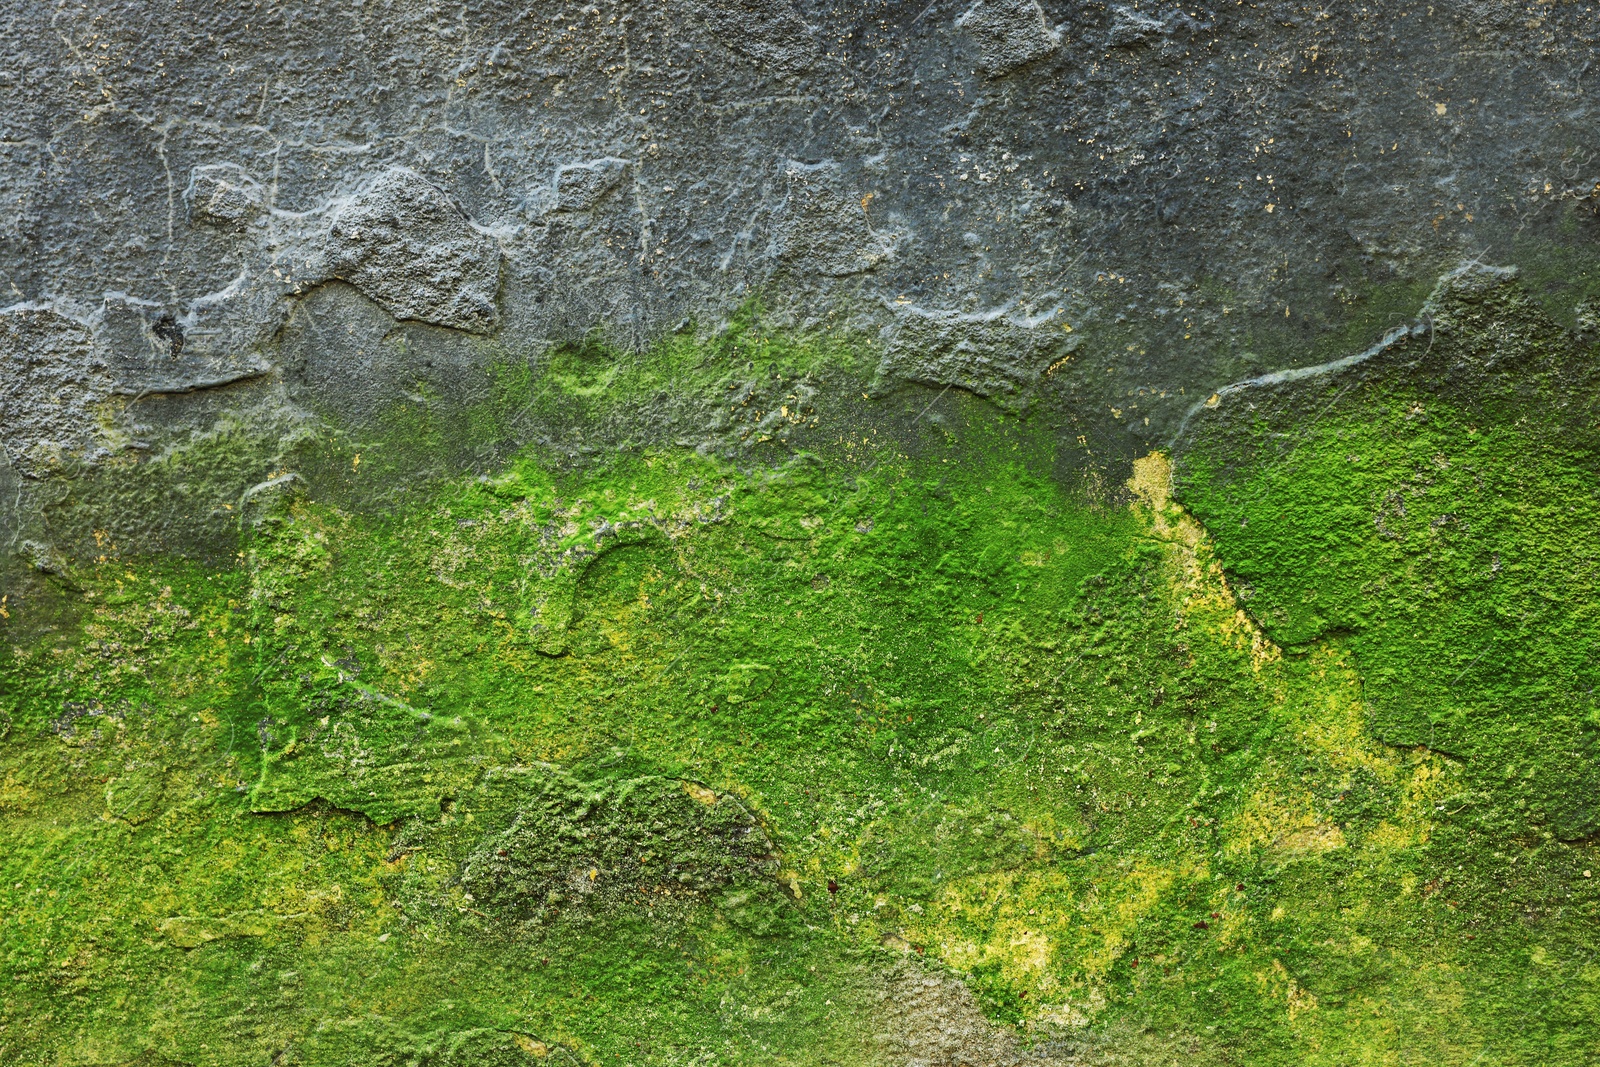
column 659, row 754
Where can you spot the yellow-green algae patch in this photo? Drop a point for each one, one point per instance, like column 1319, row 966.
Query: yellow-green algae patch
column 660, row 758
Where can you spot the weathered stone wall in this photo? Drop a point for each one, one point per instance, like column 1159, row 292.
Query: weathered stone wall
column 1154, row 200
column 946, row 534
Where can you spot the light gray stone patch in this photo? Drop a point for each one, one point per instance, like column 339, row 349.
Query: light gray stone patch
column 580, row 186
column 1130, row 28
column 771, row 32
column 410, row 248
column 51, row 384
column 1009, row 33
column 822, row 228
column 994, row 354
column 209, row 342
column 223, row 195
column 223, row 329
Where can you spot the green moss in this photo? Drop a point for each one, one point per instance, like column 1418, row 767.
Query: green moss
column 1427, row 511
column 1436, row 514
column 670, row 755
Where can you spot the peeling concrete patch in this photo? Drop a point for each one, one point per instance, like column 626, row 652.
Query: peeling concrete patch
column 1130, row 27
column 992, row 354
column 223, row 195
column 568, row 844
column 409, row 247
column 932, row 1020
column 50, row 384
column 347, row 759
column 822, row 228
column 156, row 348
column 191, row 931
column 1010, row 34
column 580, row 186
column 768, row 31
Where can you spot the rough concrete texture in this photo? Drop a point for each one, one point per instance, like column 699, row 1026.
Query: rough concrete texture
column 51, row 384
column 1196, row 171
column 403, row 243
column 223, row 195
column 1010, row 34
column 822, row 229
column 579, row 186
column 995, row 354
column 1203, row 192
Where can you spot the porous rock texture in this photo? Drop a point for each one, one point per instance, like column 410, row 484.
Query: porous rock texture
column 402, row 242
column 1212, row 192
column 52, row 385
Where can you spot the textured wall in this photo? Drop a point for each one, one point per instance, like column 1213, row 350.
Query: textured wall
column 1175, row 197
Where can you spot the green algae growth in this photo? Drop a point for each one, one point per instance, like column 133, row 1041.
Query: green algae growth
column 656, row 754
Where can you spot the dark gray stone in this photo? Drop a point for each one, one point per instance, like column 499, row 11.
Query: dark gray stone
column 580, row 186
column 822, row 228
column 52, row 387
column 404, row 243
column 1010, row 34
column 998, row 353
column 771, row 32
column 285, row 219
